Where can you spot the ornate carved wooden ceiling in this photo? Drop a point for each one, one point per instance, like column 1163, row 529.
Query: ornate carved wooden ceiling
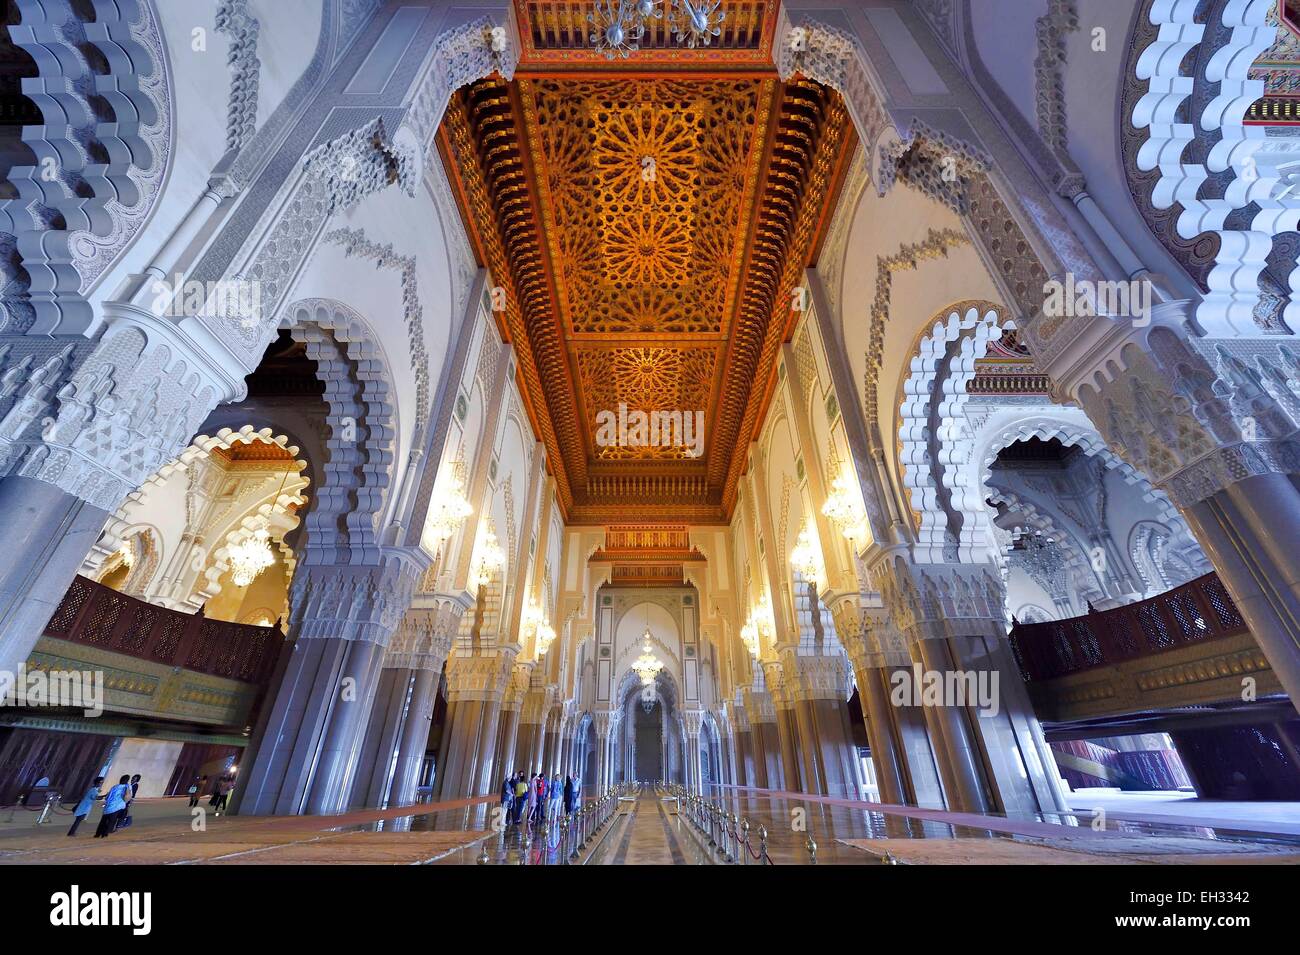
column 649, row 230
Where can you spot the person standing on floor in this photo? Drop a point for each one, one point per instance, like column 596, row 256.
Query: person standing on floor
column 196, row 790
column 224, row 785
column 568, row 795
column 530, row 800
column 539, row 788
column 521, row 794
column 125, row 819
column 114, row 808
column 87, row 803
column 556, row 794
column 507, row 799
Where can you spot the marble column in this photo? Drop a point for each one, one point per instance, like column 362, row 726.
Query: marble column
column 47, row 535
column 398, row 733
column 1249, row 533
column 476, row 685
column 786, row 731
column 885, row 755
column 743, row 768
column 307, row 750
column 551, row 741
column 819, row 687
column 693, row 721
column 990, row 752
column 507, row 737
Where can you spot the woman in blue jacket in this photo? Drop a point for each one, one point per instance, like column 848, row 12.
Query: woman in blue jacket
column 87, row 803
column 114, row 808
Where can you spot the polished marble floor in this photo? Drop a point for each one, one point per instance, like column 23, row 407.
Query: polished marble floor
column 652, row 827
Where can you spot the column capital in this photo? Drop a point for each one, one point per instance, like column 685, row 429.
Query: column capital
column 484, row 678
column 820, row 677
column 354, row 602
column 758, row 706
column 925, row 601
column 692, row 722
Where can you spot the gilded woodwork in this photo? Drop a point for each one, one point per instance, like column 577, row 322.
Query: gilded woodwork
column 650, row 233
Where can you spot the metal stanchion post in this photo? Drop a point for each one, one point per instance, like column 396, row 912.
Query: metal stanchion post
column 48, row 808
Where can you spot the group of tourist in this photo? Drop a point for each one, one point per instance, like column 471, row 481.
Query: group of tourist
column 117, row 805
column 117, row 801
column 220, row 792
column 537, row 798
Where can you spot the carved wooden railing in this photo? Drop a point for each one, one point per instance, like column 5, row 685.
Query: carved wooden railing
column 99, row 616
column 1197, row 612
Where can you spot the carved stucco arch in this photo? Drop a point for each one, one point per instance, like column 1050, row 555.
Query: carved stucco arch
column 362, row 422
column 1199, row 175
column 97, row 174
column 933, row 432
column 237, row 526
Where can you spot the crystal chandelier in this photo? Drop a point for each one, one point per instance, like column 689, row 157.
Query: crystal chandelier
column 806, row 556
column 763, row 617
column 545, row 637
column 844, row 508
column 618, row 26
column 491, row 557
column 647, row 665
column 447, row 511
column 749, row 636
column 535, row 622
column 250, row 557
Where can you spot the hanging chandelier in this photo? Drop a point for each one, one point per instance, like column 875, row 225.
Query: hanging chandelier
column 491, row 557
column 447, row 511
column 806, row 556
column 647, row 665
column 618, row 26
column 535, row 622
column 844, row 509
column 545, row 637
column 250, row 557
column 749, row 636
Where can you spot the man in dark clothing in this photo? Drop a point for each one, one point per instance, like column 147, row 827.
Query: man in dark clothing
column 568, row 795
column 507, row 799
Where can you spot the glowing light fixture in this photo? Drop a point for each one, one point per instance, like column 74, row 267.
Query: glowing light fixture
column 250, row 557
column 806, row 556
column 491, row 557
column 447, row 510
column 844, row 508
column 647, row 665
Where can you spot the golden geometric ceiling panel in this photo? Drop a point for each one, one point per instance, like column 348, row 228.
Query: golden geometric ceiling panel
column 644, row 183
column 647, row 379
column 649, row 229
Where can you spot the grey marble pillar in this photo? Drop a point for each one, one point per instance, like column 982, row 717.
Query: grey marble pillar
column 47, row 534
column 306, row 753
column 885, row 755
column 1251, row 533
column 959, row 765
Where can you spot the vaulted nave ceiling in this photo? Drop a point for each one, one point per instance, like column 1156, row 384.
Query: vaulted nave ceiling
column 649, row 220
